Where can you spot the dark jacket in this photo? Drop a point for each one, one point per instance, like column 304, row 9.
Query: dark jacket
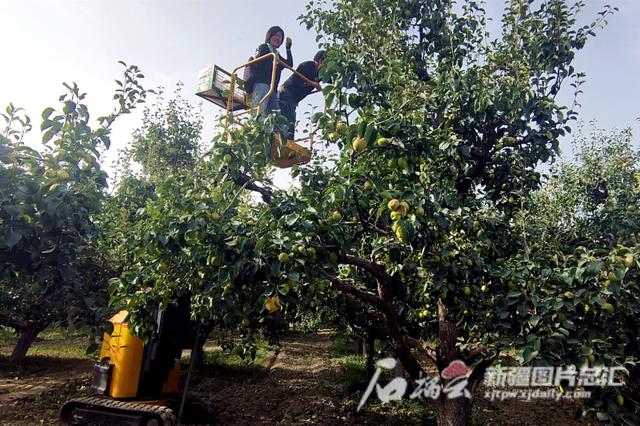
column 261, row 71
column 298, row 88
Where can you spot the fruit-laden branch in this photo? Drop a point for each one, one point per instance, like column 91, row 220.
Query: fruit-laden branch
column 366, row 225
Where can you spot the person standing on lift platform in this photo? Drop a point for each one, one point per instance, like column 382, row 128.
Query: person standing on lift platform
column 295, row 89
column 261, row 71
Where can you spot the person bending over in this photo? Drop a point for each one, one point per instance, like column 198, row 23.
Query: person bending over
column 295, row 89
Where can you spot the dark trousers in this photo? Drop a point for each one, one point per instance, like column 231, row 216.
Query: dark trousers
column 288, row 108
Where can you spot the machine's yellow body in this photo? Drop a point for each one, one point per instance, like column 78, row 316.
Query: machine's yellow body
column 138, row 383
column 124, row 352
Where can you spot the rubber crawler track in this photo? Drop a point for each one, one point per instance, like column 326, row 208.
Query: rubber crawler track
column 162, row 413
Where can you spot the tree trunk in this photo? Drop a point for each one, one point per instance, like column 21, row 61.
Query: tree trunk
column 360, row 344
column 26, row 336
column 368, row 352
column 199, row 354
column 454, row 411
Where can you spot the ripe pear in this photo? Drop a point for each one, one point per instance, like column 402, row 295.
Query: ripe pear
column 629, row 260
column 382, row 141
column 608, row 307
column 358, row 144
column 342, row 128
column 393, row 204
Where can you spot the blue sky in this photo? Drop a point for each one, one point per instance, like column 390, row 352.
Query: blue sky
column 46, row 42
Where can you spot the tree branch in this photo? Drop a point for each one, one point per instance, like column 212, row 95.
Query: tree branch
column 373, row 268
column 354, row 291
column 249, row 183
column 13, row 323
column 384, row 302
column 367, row 226
column 478, row 372
column 422, row 348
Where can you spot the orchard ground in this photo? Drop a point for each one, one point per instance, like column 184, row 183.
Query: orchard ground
column 312, row 378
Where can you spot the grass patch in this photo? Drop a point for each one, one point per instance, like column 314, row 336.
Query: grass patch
column 343, row 344
column 7, row 338
column 405, row 412
column 309, row 359
column 232, row 364
column 53, row 342
column 354, row 372
column 355, row 380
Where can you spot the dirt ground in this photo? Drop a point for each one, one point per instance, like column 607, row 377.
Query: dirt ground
column 300, row 385
column 32, row 393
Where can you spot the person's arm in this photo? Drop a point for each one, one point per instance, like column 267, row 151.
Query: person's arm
column 308, row 69
column 317, row 81
column 289, row 60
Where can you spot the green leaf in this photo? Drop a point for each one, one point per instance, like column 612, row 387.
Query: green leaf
column 49, row 250
column 13, row 210
column 46, row 124
column 595, row 267
column 275, row 268
column 515, row 293
column 46, row 113
column 528, row 355
column 12, row 238
column 534, row 320
column 291, row 219
column 48, row 135
column 4, row 151
column 537, row 343
column 293, row 276
column 69, row 107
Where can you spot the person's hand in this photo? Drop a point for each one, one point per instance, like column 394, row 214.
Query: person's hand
column 317, row 86
column 288, row 43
